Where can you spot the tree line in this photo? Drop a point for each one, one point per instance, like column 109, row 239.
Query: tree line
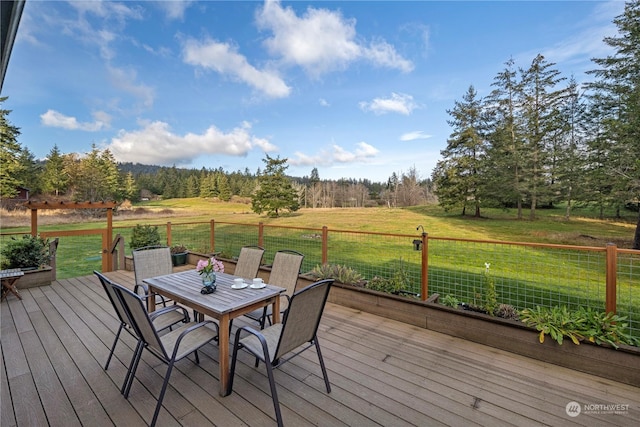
column 539, row 139
column 96, row 176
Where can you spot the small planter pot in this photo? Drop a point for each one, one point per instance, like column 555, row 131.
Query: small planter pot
column 179, row 259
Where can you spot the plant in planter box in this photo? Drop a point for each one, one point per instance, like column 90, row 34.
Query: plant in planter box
column 144, row 235
column 179, row 255
column 341, row 273
column 28, row 252
column 580, row 324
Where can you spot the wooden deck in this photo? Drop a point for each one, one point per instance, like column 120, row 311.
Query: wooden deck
column 56, row 340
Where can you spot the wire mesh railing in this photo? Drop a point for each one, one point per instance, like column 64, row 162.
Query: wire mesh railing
column 526, row 275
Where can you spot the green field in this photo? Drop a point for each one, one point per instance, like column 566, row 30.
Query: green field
column 524, row 276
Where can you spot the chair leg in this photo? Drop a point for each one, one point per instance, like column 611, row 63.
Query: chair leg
column 131, row 374
column 232, row 372
column 274, row 394
column 162, row 392
column 113, row 347
column 324, row 369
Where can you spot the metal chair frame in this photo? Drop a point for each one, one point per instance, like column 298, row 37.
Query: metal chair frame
column 298, row 328
column 170, row 348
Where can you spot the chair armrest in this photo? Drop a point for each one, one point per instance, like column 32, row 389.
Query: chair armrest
column 190, row 329
column 169, row 309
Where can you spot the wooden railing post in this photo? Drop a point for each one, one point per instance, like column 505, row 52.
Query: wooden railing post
column 34, row 222
column 261, row 234
column 424, row 283
column 325, row 244
column 212, row 235
column 611, row 274
column 169, row 233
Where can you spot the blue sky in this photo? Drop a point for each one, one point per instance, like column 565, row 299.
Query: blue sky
column 356, row 89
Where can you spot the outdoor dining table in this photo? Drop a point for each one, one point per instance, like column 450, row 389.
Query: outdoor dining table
column 224, row 304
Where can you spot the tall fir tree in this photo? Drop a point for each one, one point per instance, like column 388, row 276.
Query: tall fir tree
column 464, row 156
column 54, row 177
column 616, row 94
column 10, row 149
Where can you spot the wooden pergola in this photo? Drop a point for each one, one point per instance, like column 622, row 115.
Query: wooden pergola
column 35, row 206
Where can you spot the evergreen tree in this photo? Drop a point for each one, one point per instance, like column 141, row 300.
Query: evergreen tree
column 54, row 177
column 617, row 94
column 10, row 149
column 193, row 186
column 224, row 190
column 130, row 190
column 541, row 97
column 504, row 176
column 275, row 192
column 463, row 156
column 29, row 173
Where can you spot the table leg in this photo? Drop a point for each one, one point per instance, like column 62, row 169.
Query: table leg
column 223, row 353
column 151, row 300
column 275, row 310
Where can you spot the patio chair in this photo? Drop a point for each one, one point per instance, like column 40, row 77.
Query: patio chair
column 168, row 348
column 162, row 319
column 249, row 262
column 151, row 261
column 284, row 273
column 298, row 328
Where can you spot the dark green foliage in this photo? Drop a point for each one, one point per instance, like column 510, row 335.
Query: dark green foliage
column 144, row 235
column 25, row 252
column 275, row 192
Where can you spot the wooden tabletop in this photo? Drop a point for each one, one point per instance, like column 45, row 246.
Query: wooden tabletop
column 186, row 286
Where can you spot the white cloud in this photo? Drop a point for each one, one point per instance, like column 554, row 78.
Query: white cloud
column 156, row 144
column 336, row 154
column 412, row 136
column 53, row 118
column 398, row 103
column 323, row 102
column 321, row 40
column 224, row 59
column 174, row 9
column 382, row 53
column 125, row 80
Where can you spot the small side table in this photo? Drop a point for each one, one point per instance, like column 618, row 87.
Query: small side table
column 8, row 279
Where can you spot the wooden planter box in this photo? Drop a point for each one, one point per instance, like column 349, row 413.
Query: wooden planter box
column 621, row 365
column 32, row 278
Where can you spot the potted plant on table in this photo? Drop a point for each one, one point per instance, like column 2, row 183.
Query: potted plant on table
column 179, row 255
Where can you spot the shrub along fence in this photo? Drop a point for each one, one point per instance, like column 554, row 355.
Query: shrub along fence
column 525, row 274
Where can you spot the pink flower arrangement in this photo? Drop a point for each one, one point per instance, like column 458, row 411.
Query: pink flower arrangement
column 210, row 265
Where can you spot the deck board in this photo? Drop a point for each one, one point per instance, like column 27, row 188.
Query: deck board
column 56, row 340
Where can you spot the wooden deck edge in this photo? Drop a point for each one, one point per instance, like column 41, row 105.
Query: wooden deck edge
column 621, row 365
